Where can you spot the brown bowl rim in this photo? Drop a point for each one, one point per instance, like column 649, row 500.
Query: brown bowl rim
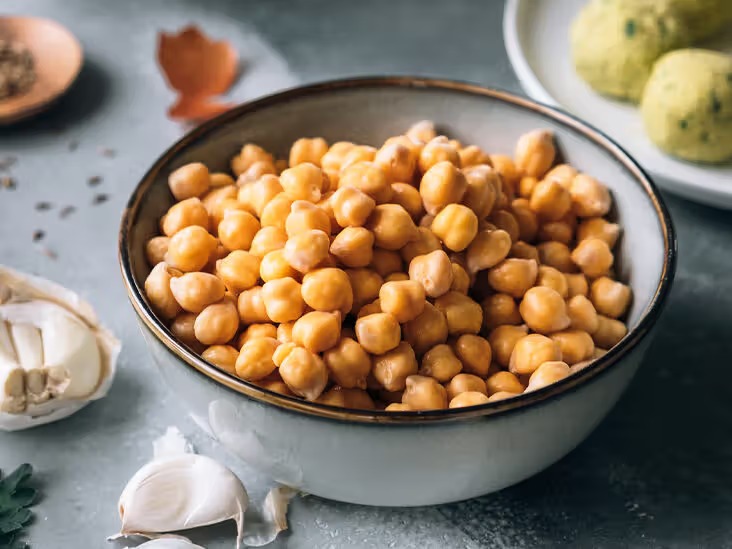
column 518, row 403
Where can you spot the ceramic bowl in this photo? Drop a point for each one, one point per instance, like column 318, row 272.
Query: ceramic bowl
column 410, row 458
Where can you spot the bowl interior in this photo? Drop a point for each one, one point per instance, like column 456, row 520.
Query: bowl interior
column 370, row 111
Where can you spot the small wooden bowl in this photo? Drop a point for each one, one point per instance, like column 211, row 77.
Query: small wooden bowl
column 58, row 58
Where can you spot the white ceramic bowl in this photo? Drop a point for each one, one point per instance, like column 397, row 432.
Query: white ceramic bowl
column 410, row 458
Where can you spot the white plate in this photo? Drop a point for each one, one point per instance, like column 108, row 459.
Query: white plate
column 536, row 33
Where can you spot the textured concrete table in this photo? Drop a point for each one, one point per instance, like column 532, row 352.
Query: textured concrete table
column 656, row 473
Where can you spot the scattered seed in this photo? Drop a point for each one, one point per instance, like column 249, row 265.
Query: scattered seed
column 66, row 211
column 48, row 252
column 8, row 182
column 38, row 235
column 106, row 151
column 100, row 199
column 7, row 162
column 94, row 180
column 73, row 145
column 43, row 206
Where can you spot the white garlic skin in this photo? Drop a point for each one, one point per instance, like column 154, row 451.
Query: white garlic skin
column 169, row 543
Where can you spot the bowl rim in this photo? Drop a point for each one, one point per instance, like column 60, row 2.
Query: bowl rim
column 521, row 402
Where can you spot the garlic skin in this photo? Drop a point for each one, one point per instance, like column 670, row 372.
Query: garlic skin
column 181, row 492
column 173, row 542
column 55, row 357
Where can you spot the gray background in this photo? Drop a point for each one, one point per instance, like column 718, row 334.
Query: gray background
column 656, row 473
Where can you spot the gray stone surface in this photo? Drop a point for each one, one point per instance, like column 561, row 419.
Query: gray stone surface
column 656, row 473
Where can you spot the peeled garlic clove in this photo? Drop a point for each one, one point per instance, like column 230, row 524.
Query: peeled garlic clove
column 51, row 345
column 169, row 543
column 181, row 492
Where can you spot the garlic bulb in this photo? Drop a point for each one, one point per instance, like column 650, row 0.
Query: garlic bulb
column 181, row 492
column 55, row 357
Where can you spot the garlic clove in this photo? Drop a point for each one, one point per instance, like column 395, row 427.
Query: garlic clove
column 174, row 542
column 181, row 492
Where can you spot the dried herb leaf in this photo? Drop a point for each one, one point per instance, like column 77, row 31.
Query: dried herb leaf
column 15, row 498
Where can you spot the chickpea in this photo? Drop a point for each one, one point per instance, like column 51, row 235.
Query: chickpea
column 522, row 250
column 353, row 246
column 284, row 332
column 593, row 257
column 378, row 333
column 528, row 223
column 425, row 243
column 535, row 152
column 426, row 330
column 426, row 221
column 370, row 308
column 502, row 341
column 597, row 227
column 274, row 265
column 276, row 211
column 255, row 360
column 356, row 399
column 506, row 221
column 609, row 332
column 237, row 230
column 526, row 186
column 576, row 345
column 184, row 214
column 283, row 300
column 550, row 200
column 456, row 225
column 582, row 314
column 440, row 363
column 195, row 291
column 217, row 323
column 500, row 309
column 189, row 181
column 502, row 395
column 307, row 250
column 433, row 271
column 397, row 161
column 392, row 368
column 474, row 352
column 531, row 351
column 306, row 216
column 548, row 373
column 256, row 172
column 267, row 240
column 590, row 198
column 155, row 249
column 468, row 398
column 220, row 207
column 487, row 250
column 317, row 331
column 304, row 373
column 438, row 150
column 221, row 179
column 577, row 284
column 559, row 231
column 239, row 270
column 157, row 289
column 513, row 276
column 424, row 393
column 369, row 178
column 544, row 310
column 332, row 160
column 304, row 182
column 506, row 168
column 557, row 255
column 327, row 207
column 308, row 150
column 254, row 331
column 190, row 248
column 473, row 155
column 365, row 284
column 249, row 154
column 348, row 363
column 610, row 298
column 356, row 155
column 463, row 383
column 256, row 194
column 213, row 199
column 398, row 407
column 182, row 330
column 351, row 206
column 503, row 382
column 408, row 197
column 482, row 190
column 396, row 277
column 460, row 279
column 328, row 289
column 422, row 131
column 562, row 174
column 552, row 278
column 392, row 227
column 441, row 185
column 222, row 356
column 274, row 385
column 282, row 351
column 404, row 300
column 251, row 306
column 463, row 315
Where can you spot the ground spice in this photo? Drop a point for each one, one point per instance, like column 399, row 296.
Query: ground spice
column 100, row 199
column 66, row 211
column 17, row 71
column 43, row 206
column 8, row 182
column 38, row 235
column 94, row 180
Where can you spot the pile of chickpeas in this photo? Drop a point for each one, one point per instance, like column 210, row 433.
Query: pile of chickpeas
column 421, row 275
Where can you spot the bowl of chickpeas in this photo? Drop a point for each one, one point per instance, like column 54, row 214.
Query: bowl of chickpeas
column 397, row 291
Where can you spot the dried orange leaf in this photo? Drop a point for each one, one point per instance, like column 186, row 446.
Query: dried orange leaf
column 198, row 68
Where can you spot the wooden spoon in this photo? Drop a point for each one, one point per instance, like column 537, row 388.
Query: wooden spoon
column 57, row 55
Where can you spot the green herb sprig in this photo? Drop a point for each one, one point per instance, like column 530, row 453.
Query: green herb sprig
column 15, row 498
